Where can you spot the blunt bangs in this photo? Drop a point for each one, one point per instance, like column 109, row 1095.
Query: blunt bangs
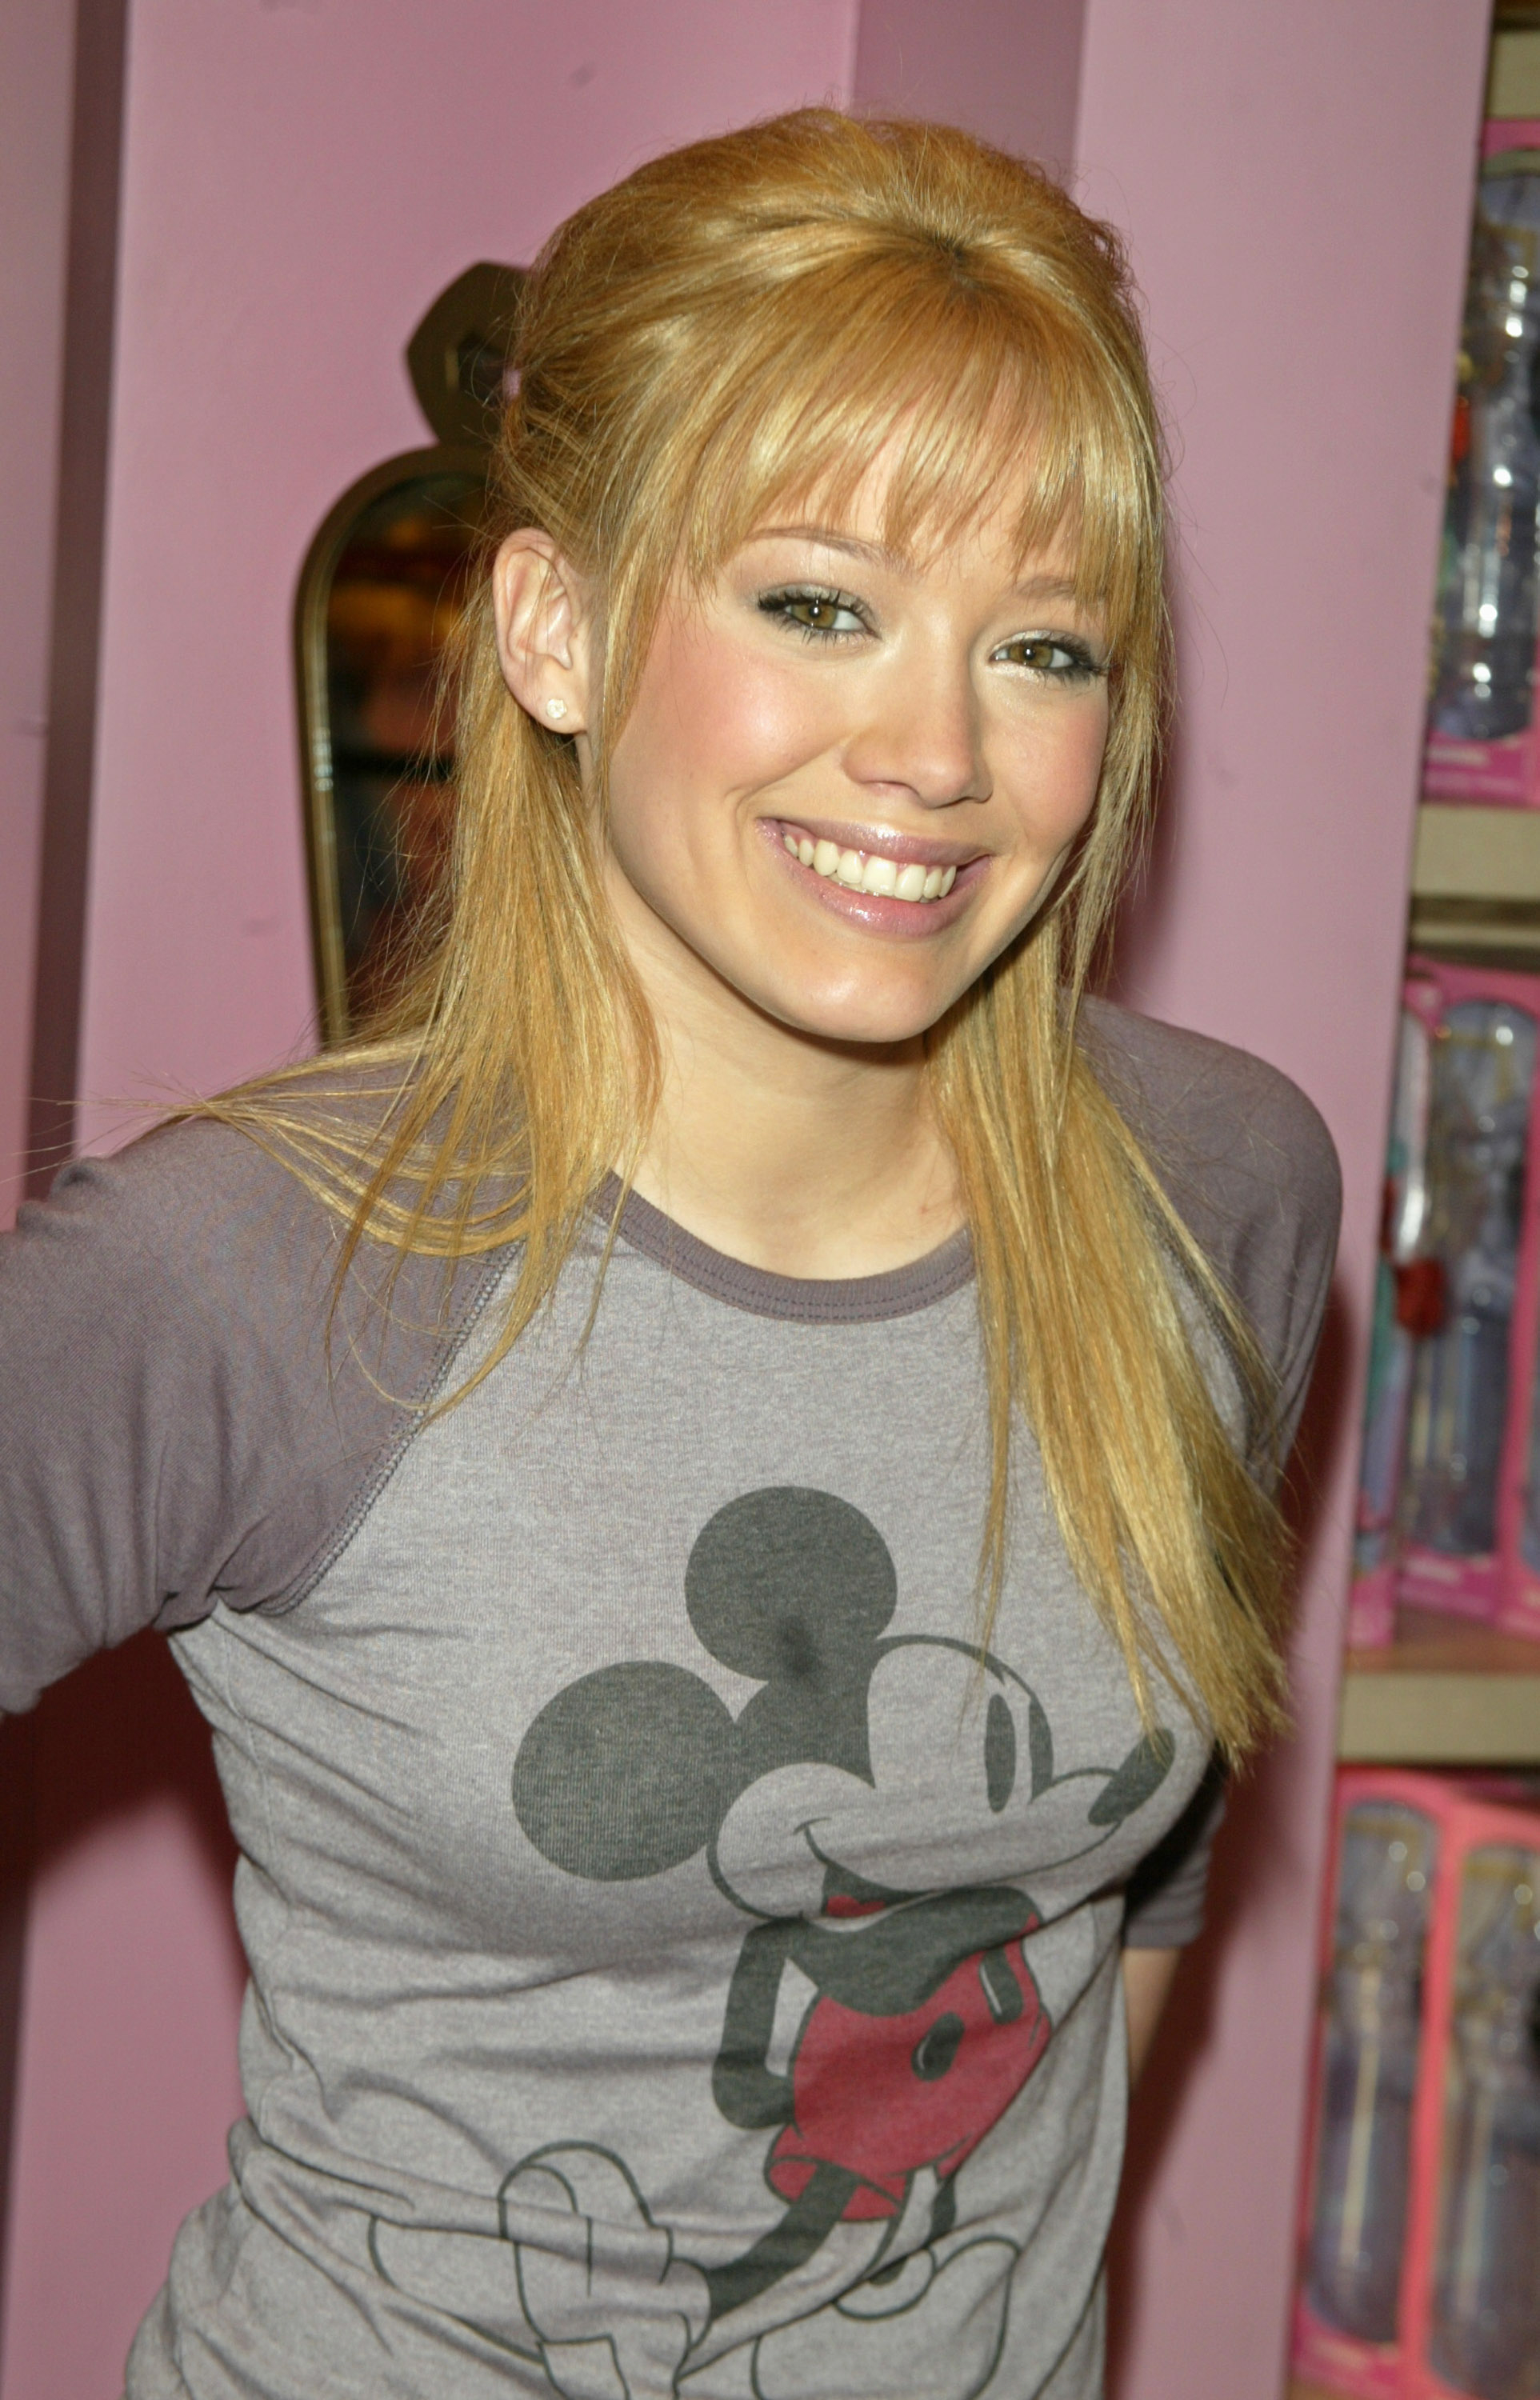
column 988, row 382
column 978, row 416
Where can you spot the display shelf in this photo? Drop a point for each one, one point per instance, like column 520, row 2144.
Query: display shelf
column 1476, row 883
column 1445, row 1693
column 1473, row 853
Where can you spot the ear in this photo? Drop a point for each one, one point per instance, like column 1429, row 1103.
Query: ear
column 792, row 1586
column 544, row 630
column 626, row 1772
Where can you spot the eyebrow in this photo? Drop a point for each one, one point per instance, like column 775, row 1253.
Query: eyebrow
column 1036, row 587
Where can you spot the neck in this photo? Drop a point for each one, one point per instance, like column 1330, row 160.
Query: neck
column 800, row 1156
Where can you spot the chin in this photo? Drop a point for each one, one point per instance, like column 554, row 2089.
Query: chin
column 865, row 1024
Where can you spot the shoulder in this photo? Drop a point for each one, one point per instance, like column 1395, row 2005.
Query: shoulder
column 202, row 1236
column 207, row 1216
column 184, row 1206
column 179, row 1360
column 195, row 1237
column 1225, row 1131
column 1243, row 1157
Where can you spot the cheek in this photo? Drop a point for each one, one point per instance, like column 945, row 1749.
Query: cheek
column 713, row 723
column 1084, row 747
column 1055, row 774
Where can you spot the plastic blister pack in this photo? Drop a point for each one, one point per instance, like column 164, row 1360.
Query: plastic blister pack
column 1420, row 2235
column 1449, row 1502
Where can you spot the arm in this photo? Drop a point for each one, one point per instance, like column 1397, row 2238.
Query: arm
column 176, row 1428
column 1250, row 1166
column 1164, row 1911
column 743, row 2084
column 1147, row 1977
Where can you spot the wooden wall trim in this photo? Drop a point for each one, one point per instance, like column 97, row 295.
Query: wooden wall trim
column 89, row 317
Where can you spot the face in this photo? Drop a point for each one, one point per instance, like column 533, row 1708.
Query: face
column 849, row 779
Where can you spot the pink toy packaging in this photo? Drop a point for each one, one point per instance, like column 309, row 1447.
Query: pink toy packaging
column 1420, row 2242
column 1449, row 1495
column 1483, row 741
column 1363, row 2084
column 1471, row 2284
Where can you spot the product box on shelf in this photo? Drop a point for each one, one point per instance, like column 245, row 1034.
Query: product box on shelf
column 1449, row 1494
column 1483, row 741
column 1420, row 2236
column 1353, row 2235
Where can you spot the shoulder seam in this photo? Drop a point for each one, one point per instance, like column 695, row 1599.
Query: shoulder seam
column 368, row 1495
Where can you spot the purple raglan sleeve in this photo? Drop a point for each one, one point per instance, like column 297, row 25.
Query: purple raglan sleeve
column 1163, row 1907
column 1250, row 1167
column 182, row 1422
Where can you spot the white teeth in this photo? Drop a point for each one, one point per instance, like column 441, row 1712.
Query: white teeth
column 861, row 871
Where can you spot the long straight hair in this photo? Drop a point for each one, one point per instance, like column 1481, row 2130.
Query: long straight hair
column 740, row 324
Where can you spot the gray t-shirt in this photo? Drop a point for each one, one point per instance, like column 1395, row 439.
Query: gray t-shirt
column 678, row 1965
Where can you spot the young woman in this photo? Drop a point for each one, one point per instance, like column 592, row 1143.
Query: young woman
column 712, row 1477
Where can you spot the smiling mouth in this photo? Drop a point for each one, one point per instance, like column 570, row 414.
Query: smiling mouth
column 846, row 1894
column 879, row 873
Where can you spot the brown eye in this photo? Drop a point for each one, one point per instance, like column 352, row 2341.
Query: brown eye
column 1036, row 651
column 816, row 612
column 1047, row 654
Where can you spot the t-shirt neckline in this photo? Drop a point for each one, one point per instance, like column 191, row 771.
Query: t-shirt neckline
column 798, row 1300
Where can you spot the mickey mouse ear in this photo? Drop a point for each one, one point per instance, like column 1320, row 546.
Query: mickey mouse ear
column 626, row 1773
column 786, row 1580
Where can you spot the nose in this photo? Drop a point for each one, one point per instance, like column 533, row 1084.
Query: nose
column 923, row 734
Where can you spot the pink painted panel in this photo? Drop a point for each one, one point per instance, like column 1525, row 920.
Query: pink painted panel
column 36, row 51
column 1296, row 187
column 301, row 178
column 133, row 1994
column 1007, row 69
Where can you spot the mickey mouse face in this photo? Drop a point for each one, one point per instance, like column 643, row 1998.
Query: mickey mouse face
column 864, row 1765
column 960, row 1787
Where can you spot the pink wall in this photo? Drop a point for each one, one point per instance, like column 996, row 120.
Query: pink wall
column 289, row 210
column 1007, row 69
column 1296, row 186
column 298, row 183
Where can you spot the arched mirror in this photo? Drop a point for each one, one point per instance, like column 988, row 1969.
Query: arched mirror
column 380, row 593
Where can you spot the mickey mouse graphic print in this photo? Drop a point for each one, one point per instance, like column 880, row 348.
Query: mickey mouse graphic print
column 715, row 1987
column 876, row 2029
column 680, row 1963
column 877, row 1816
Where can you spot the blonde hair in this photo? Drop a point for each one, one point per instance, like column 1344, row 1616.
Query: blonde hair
column 742, row 322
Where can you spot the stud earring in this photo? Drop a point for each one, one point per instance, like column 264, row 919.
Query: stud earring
column 556, row 707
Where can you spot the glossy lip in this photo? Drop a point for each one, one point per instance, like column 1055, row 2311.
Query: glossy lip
column 877, row 841
column 909, row 920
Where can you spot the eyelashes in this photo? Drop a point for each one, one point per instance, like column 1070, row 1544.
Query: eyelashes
column 1057, row 656
column 823, row 613
column 814, row 610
